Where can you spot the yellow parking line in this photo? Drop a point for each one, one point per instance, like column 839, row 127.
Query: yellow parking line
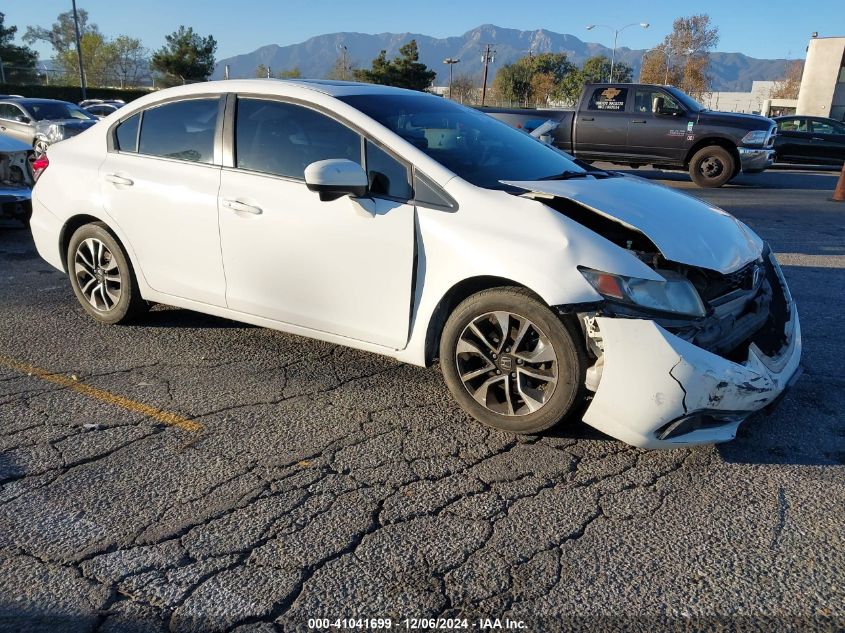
column 67, row 382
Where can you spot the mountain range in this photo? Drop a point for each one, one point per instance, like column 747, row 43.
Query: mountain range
column 316, row 57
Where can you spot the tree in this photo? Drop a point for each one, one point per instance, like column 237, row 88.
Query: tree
column 98, row 56
column 788, row 86
column 464, row 89
column 262, row 71
column 596, row 69
column 186, row 55
column 657, row 69
column 18, row 61
column 129, row 60
column 343, row 68
column 61, row 35
column 512, row 83
column 404, row 71
column 533, row 78
column 687, row 51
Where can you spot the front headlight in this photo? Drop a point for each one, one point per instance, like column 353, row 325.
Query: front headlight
column 55, row 133
column 756, row 137
column 676, row 294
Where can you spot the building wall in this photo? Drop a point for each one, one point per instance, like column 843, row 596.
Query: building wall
column 823, row 82
column 748, row 102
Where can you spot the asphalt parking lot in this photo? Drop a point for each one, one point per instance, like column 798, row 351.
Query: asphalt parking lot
column 188, row 473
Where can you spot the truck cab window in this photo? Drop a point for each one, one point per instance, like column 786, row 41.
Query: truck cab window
column 608, row 99
column 656, row 102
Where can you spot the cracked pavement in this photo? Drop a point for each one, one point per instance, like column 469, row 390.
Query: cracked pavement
column 328, row 482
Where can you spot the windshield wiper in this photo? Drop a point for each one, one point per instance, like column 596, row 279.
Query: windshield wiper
column 568, row 175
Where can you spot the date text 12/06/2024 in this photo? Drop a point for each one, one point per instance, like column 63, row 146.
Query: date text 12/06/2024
column 442, row 624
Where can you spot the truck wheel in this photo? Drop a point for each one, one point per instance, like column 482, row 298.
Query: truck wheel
column 712, row 166
column 510, row 362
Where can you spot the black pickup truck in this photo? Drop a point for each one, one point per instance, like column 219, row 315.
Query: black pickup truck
column 645, row 124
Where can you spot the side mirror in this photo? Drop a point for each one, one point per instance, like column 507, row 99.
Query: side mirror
column 335, row 178
column 22, row 119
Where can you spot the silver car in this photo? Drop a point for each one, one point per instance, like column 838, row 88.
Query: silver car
column 16, row 179
column 42, row 122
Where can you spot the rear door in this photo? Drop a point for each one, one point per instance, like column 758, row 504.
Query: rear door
column 601, row 122
column 828, row 140
column 658, row 129
column 793, row 142
column 159, row 182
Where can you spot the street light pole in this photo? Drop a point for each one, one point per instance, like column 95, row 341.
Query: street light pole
column 79, row 50
column 451, row 61
column 616, row 33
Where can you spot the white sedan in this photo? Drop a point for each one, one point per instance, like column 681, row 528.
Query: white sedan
column 407, row 225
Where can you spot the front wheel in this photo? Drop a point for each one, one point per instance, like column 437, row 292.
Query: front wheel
column 510, row 362
column 712, row 166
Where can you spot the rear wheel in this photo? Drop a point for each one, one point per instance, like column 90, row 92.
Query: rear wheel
column 712, row 166
column 101, row 275
column 510, row 362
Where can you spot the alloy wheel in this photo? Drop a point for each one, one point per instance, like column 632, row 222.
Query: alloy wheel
column 97, row 274
column 506, row 363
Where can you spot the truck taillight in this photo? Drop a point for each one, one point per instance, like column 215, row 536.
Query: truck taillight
column 39, row 165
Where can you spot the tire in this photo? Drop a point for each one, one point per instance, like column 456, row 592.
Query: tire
column 712, row 166
column 101, row 275
column 526, row 403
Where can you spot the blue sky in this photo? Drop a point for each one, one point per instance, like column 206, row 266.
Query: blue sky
column 760, row 29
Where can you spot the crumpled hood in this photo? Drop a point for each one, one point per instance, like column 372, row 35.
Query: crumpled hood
column 685, row 229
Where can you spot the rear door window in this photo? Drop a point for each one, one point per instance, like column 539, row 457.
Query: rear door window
column 183, row 130
column 608, row 99
column 280, row 138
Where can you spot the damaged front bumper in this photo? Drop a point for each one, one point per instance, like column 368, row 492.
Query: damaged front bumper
column 754, row 160
column 654, row 389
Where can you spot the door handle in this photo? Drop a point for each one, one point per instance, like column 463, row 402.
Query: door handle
column 119, row 180
column 816, row 138
column 241, row 207
column 587, row 118
column 638, row 121
column 2, row 128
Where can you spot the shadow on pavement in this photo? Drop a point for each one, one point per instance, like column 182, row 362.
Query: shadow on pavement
column 169, row 317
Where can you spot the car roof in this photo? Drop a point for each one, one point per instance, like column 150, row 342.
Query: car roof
column 328, row 87
column 34, row 101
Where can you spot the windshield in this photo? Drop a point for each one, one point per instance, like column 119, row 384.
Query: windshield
column 683, row 97
column 473, row 145
column 56, row 110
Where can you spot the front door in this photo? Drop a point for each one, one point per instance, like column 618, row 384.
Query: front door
column 161, row 189
column 288, row 256
column 659, row 128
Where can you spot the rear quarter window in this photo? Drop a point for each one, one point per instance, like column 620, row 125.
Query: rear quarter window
column 126, row 134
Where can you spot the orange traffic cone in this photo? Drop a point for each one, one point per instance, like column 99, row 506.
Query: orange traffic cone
column 839, row 192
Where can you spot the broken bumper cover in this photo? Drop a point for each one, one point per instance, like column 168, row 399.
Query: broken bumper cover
column 754, row 160
column 660, row 391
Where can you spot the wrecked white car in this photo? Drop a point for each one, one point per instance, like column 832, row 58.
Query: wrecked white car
column 15, row 179
column 404, row 224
